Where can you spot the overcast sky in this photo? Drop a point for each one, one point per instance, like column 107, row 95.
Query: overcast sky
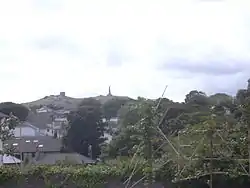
column 136, row 46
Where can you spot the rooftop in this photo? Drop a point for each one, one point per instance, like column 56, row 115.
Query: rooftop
column 2, row 115
column 53, row 158
column 7, row 159
column 31, row 144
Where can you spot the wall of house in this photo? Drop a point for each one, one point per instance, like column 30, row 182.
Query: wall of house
column 24, row 131
column 108, row 137
column 47, row 132
column 51, row 132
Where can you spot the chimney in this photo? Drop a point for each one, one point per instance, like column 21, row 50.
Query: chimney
column 62, row 94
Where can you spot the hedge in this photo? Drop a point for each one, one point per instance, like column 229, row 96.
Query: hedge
column 94, row 176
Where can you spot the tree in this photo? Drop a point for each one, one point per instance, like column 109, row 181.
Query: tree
column 197, row 97
column 244, row 99
column 17, row 110
column 136, row 122
column 221, row 98
column 111, row 107
column 147, row 127
column 212, row 129
column 86, row 129
column 7, row 125
column 126, row 138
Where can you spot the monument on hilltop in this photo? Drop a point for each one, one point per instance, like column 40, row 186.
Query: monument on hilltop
column 109, row 93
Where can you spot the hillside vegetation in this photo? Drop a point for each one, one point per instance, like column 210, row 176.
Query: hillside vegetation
column 202, row 135
column 69, row 103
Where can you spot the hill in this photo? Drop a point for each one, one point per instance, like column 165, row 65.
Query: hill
column 68, row 103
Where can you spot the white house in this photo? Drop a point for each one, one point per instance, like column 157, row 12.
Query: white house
column 27, row 129
column 114, row 119
column 62, row 111
column 44, row 109
column 56, row 128
column 8, row 159
column 108, row 137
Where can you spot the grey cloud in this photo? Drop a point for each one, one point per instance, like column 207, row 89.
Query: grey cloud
column 209, row 68
column 229, row 84
column 212, row 76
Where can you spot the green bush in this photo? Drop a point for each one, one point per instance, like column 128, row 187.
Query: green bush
column 94, row 176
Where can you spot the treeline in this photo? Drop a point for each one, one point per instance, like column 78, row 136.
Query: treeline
column 185, row 139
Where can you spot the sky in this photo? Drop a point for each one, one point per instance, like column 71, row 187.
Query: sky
column 136, row 46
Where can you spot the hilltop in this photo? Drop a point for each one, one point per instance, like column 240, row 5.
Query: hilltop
column 68, row 103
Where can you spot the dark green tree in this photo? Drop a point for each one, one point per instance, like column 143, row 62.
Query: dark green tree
column 111, row 107
column 197, row 97
column 86, row 129
column 126, row 137
column 137, row 122
column 17, row 110
column 7, row 125
column 244, row 99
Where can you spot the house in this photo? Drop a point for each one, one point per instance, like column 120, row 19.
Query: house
column 114, row 119
column 43, row 109
column 27, row 129
column 49, row 124
column 10, row 160
column 70, row 158
column 43, row 150
column 2, row 115
column 43, row 122
column 62, row 111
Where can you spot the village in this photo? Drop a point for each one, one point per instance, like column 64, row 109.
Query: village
column 38, row 140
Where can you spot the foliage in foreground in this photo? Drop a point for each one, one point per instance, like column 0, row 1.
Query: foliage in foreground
column 96, row 176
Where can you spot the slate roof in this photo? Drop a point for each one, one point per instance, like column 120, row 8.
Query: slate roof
column 7, row 159
column 30, row 144
column 2, row 115
column 53, row 158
